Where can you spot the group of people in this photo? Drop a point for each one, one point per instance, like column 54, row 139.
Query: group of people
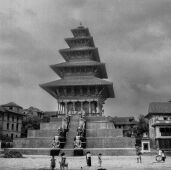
column 63, row 163
column 161, row 155
column 88, row 159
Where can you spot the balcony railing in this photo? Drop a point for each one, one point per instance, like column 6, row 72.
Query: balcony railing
column 165, row 133
column 163, row 121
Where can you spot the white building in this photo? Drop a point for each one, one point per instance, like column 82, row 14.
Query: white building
column 159, row 115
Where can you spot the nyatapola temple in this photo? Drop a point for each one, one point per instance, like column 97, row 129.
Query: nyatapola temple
column 81, row 88
column 80, row 124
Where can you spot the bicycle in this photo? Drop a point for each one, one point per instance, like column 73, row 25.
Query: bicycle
column 158, row 158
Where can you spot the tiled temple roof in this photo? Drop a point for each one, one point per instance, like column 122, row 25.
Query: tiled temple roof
column 81, row 51
column 80, row 29
column 102, row 67
column 11, row 104
column 159, row 108
column 2, row 109
column 77, row 63
column 80, row 81
column 72, row 39
column 124, row 121
column 77, row 81
column 67, row 51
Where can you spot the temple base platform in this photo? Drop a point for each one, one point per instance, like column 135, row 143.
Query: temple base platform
column 70, row 152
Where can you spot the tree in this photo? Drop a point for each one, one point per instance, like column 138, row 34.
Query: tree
column 142, row 127
column 32, row 122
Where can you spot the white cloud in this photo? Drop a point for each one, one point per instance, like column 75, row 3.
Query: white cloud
column 133, row 38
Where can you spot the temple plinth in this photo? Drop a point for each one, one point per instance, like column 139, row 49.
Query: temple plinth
column 82, row 88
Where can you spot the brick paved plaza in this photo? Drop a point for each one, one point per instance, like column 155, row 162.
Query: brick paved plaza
column 109, row 162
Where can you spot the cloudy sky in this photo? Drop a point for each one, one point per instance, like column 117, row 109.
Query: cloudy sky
column 133, row 37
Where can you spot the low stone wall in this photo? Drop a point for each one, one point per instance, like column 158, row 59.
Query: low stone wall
column 31, row 151
column 50, row 125
column 41, row 133
column 32, row 143
column 98, row 118
column 104, row 133
column 99, row 125
column 55, row 119
column 112, row 151
column 110, row 142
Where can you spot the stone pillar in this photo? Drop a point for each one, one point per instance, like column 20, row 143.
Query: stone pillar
column 74, row 106
column 60, row 108
column 63, row 109
column 89, row 106
column 57, row 106
column 66, row 112
column 98, row 107
column 81, row 106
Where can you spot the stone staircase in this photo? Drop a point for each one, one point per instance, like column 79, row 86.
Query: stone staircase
column 102, row 137
column 68, row 148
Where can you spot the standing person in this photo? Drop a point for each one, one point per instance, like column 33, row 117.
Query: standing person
column 88, row 159
column 163, row 156
column 160, row 152
column 138, row 152
column 53, row 163
column 100, row 159
column 63, row 162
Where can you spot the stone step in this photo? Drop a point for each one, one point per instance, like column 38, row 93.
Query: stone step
column 32, row 143
column 110, row 142
column 41, row 133
column 104, row 132
column 50, row 125
column 31, row 151
column 72, row 132
column 99, row 125
column 68, row 152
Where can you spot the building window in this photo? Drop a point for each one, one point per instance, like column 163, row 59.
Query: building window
column 13, row 118
column 17, row 127
column 165, row 131
column 165, row 118
column 7, row 126
column 2, row 116
column 12, row 127
column 12, row 135
column 16, row 136
column 8, row 117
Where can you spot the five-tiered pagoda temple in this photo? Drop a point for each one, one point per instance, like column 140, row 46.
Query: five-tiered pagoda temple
column 82, row 87
column 80, row 93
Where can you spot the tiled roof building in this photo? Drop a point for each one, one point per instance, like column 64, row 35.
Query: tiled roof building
column 11, row 120
column 159, row 116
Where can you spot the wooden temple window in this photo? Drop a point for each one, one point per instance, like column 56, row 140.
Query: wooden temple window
column 81, row 91
column 72, row 91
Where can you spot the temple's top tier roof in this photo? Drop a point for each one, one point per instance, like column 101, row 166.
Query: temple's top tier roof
column 80, row 31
